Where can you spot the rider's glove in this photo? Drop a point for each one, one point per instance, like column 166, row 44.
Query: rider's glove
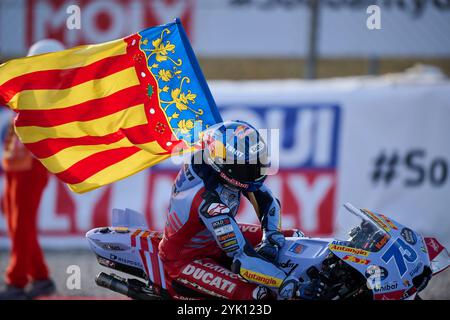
column 272, row 241
column 311, row 290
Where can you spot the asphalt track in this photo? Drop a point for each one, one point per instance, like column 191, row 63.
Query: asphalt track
column 59, row 262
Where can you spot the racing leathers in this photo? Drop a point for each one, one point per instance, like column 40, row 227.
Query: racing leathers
column 201, row 236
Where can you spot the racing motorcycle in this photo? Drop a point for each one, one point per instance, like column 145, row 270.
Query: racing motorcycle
column 381, row 259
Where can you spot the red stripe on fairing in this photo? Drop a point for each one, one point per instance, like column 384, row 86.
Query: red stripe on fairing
column 89, row 110
column 155, row 268
column 65, row 78
column 48, row 147
column 174, row 222
column 89, row 166
column 144, row 262
column 133, row 238
column 144, row 240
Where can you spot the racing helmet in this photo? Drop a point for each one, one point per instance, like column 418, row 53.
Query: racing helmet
column 237, row 153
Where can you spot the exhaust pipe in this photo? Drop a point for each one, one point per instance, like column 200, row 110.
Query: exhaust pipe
column 136, row 290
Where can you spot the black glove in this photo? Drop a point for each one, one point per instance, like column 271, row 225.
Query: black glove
column 271, row 243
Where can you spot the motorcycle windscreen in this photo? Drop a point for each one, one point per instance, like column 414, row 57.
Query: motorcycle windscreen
column 371, row 233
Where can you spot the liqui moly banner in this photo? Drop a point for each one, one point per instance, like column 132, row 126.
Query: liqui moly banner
column 357, row 28
column 378, row 143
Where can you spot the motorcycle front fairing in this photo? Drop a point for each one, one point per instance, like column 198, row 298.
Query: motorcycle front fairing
column 392, row 263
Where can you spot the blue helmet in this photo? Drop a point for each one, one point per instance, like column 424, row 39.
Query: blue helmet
column 238, row 153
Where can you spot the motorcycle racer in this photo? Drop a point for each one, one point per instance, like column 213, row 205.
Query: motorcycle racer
column 201, row 235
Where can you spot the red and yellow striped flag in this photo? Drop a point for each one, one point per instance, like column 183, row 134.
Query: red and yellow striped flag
column 98, row 113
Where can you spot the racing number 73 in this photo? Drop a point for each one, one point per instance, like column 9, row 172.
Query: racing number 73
column 400, row 251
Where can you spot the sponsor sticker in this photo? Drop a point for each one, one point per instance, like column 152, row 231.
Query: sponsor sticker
column 377, row 271
column 249, row 228
column 297, row 248
column 388, row 221
column 229, row 243
column 121, row 229
column 416, row 269
column 223, row 230
column 409, row 236
column 350, row 250
column 433, row 247
column 110, row 246
column 380, row 244
column 234, row 151
column 230, row 249
column 234, row 182
column 260, row 278
column 377, row 220
column 226, row 237
column 209, row 278
column 387, row 287
column 356, row 260
column 220, row 223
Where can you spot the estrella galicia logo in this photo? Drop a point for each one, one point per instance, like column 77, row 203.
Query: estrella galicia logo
column 409, row 236
column 376, row 271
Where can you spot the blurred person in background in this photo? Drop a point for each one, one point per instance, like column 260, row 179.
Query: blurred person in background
column 27, row 275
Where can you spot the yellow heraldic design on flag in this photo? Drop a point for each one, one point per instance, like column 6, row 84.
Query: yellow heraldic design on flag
column 96, row 114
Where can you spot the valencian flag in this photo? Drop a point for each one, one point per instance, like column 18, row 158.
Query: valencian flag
column 95, row 114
